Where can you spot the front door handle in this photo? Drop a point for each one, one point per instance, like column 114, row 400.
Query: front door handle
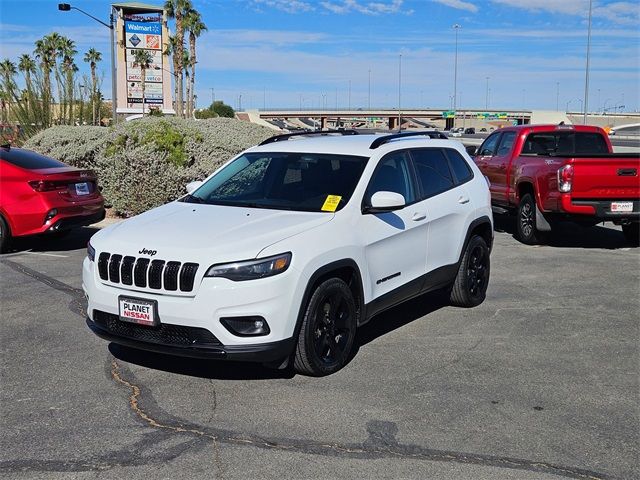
column 418, row 216
column 463, row 200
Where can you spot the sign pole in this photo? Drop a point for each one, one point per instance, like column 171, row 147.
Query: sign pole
column 114, row 93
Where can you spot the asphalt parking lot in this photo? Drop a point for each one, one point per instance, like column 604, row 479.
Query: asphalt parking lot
column 539, row 382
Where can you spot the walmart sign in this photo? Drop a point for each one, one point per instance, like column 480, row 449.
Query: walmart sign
column 141, row 27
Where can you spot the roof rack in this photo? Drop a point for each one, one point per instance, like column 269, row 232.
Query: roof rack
column 287, row 136
column 387, row 138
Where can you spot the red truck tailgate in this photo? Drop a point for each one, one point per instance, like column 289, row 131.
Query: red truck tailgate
column 606, row 178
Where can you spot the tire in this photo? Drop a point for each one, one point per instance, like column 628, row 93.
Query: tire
column 5, row 235
column 470, row 286
column 632, row 233
column 328, row 330
column 526, row 222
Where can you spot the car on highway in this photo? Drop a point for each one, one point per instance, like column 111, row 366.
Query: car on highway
column 288, row 248
column 41, row 195
column 469, row 131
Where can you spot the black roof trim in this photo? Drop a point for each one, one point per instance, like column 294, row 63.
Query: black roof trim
column 387, row 138
column 287, row 136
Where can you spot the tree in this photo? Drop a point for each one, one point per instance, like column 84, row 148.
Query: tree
column 45, row 52
column 195, row 26
column 92, row 57
column 27, row 66
column 143, row 60
column 185, row 65
column 176, row 9
column 67, row 51
column 7, row 72
column 222, row 109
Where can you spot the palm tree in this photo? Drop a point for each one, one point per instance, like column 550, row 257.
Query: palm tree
column 92, row 57
column 45, row 52
column 185, row 65
column 27, row 66
column 66, row 51
column 170, row 51
column 142, row 59
column 195, row 26
column 7, row 72
column 177, row 9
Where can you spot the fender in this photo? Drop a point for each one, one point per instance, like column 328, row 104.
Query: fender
column 322, row 271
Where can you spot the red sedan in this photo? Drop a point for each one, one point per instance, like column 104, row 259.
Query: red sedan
column 41, row 195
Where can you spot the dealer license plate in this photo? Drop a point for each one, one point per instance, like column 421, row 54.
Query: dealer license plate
column 622, row 206
column 136, row 310
column 82, row 188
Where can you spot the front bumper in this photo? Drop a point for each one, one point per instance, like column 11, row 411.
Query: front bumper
column 263, row 352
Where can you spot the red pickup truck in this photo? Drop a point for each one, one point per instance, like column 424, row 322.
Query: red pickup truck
column 544, row 173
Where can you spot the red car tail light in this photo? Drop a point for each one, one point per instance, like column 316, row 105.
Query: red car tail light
column 565, row 177
column 47, row 185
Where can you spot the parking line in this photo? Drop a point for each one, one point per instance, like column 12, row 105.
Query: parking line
column 47, row 254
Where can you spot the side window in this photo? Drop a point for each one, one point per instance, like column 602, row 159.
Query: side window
column 506, row 143
column 488, row 148
column 433, row 171
column 459, row 165
column 392, row 175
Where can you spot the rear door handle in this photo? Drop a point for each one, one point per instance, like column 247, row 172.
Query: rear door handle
column 463, row 200
column 418, row 216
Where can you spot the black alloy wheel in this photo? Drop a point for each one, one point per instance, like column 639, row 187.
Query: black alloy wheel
column 328, row 330
column 470, row 286
column 5, row 235
column 526, row 229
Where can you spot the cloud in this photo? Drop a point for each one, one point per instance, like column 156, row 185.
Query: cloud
column 367, row 8
column 458, row 4
column 288, row 6
column 625, row 13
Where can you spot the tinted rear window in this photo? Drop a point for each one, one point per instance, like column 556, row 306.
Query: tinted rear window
column 28, row 159
column 565, row 143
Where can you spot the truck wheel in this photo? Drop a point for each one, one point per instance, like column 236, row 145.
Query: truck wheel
column 526, row 222
column 470, row 286
column 632, row 233
column 328, row 330
column 5, row 235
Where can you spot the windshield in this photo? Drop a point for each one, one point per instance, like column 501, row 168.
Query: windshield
column 313, row 182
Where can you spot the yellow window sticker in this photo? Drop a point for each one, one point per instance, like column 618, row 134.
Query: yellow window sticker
column 331, row 203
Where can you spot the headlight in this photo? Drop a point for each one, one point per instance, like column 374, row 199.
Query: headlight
column 251, row 269
column 91, row 252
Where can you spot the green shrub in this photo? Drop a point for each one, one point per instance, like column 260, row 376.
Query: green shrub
column 147, row 162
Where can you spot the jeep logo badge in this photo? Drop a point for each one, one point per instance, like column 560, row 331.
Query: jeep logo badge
column 144, row 251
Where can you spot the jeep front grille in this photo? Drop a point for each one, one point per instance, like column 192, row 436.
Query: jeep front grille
column 141, row 272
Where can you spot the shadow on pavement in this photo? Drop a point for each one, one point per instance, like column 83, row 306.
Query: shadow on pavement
column 194, row 367
column 571, row 235
column 75, row 239
column 400, row 316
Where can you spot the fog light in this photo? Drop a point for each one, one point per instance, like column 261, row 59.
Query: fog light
column 246, row 326
column 52, row 213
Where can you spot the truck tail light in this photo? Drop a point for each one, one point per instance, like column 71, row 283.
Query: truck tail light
column 565, row 177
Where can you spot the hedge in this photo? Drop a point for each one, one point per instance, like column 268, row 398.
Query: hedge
column 147, row 162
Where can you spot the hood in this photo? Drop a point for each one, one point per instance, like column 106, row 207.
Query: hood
column 189, row 232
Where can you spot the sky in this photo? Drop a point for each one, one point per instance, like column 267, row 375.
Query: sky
column 512, row 54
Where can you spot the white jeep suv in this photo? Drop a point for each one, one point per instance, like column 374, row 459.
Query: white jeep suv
column 285, row 250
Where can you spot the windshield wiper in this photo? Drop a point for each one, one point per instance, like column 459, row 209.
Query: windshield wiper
column 188, row 198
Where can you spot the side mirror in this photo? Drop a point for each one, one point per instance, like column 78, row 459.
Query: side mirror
column 472, row 150
column 193, row 186
column 385, row 202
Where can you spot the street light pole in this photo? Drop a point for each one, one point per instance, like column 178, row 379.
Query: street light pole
column 65, row 7
column 369, row 97
column 399, row 92
column 486, row 103
column 456, row 27
column 586, row 80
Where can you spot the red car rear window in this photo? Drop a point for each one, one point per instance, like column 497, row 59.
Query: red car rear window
column 28, row 159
